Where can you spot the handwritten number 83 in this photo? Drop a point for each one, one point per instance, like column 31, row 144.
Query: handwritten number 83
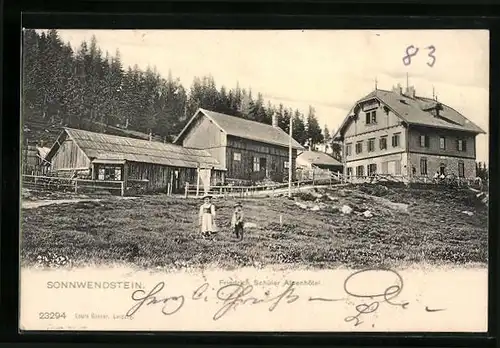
column 411, row 51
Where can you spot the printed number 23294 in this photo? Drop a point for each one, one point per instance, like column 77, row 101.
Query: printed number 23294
column 51, row 315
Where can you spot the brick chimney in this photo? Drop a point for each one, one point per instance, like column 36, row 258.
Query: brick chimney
column 275, row 120
column 398, row 89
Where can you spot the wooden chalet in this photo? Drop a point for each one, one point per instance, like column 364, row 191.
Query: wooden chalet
column 250, row 151
column 154, row 165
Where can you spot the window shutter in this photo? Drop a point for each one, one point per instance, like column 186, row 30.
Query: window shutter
column 426, row 141
column 458, row 145
column 464, row 145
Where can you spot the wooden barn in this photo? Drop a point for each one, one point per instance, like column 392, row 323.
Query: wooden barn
column 154, row 165
column 249, row 150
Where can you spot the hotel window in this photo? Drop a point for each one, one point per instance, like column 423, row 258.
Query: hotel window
column 360, row 171
column 385, row 167
column 461, row 145
column 371, row 145
column 359, row 147
column 395, row 139
column 383, row 143
column 442, row 143
column 256, row 164
column 397, row 165
column 423, row 166
column 349, row 171
column 372, row 169
column 348, row 149
column 424, row 141
column 371, row 117
column 237, row 156
column 461, row 169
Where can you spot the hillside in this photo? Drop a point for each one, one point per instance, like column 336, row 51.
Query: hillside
column 405, row 226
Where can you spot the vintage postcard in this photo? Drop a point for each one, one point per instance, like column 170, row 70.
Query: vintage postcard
column 239, row 180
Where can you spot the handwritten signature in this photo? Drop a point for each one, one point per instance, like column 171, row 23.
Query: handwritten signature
column 234, row 296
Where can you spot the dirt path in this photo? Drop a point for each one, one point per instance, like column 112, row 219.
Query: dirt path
column 41, row 203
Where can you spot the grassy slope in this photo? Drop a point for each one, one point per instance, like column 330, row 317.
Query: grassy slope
column 161, row 231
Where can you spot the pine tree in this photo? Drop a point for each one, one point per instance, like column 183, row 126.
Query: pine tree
column 31, row 73
column 299, row 128
column 223, row 102
column 236, row 101
column 195, row 97
column 314, row 134
column 246, row 103
column 257, row 110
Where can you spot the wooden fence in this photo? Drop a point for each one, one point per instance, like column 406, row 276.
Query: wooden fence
column 62, row 184
column 270, row 189
column 314, row 174
column 476, row 183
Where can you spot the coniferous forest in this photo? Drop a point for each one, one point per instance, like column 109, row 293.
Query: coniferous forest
column 88, row 88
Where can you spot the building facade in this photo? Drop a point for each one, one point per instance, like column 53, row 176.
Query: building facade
column 402, row 134
column 249, row 151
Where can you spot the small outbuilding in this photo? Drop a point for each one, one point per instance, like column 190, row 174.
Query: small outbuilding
column 316, row 159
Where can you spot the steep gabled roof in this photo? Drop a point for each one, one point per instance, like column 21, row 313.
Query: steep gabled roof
column 318, row 158
column 416, row 111
column 246, row 129
column 111, row 147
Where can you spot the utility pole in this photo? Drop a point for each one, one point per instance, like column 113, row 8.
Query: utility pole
column 290, row 160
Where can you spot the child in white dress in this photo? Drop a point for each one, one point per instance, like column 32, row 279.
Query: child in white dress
column 207, row 217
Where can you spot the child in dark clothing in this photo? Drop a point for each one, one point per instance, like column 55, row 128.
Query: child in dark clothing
column 237, row 221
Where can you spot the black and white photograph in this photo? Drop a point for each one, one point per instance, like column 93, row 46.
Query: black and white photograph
column 254, row 180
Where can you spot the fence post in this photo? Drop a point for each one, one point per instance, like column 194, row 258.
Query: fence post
column 186, row 190
column 122, row 188
column 168, row 189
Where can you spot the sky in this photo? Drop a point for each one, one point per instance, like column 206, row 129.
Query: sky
column 328, row 69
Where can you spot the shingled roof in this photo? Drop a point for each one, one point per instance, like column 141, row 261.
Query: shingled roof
column 111, row 147
column 318, row 158
column 417, row 111
column 246, row 129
